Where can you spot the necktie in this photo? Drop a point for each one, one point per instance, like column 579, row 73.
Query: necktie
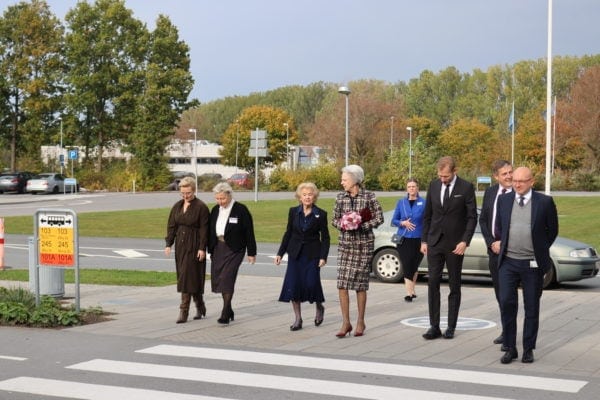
column 446, row 195
column 521, row 201
column 496, row 233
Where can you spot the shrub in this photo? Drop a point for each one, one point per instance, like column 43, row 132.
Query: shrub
column 17, row 307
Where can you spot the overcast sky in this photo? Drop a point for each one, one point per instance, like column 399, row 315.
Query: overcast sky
column 244, row 46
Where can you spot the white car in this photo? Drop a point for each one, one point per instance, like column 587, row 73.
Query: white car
column 49, row 182
column 571, row 260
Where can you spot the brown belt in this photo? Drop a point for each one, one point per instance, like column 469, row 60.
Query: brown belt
column 221, row 238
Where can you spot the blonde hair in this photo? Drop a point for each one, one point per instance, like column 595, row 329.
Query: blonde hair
column 188, row 181
column 307, row 185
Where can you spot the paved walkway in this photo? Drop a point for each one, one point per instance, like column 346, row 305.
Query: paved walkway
column 569, row 339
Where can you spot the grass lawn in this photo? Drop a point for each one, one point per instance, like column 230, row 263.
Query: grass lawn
column 103, row 277
column 579, row 218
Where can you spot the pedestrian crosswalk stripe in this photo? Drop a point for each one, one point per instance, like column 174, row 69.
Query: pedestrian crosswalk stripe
column 130, row 253
column 13, row 358
column 87, row 391
column 412, row 371
column 276, row 382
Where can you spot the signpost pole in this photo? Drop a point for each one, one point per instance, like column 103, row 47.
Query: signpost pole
column 56, row 245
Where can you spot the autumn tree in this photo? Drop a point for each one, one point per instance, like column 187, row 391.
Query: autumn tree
column 474, row 145
column 578, row 130
column 236, row 139
column 371, row 104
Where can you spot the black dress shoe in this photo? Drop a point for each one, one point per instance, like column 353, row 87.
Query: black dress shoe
column 432, row 333
column 527, row 356
column 499, row 340
column 408, row 298
column 510, row 355
column 296, row 326
column 503, row 348
column 449, row 334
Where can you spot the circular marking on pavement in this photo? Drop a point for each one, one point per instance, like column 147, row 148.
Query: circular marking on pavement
column 463, row 324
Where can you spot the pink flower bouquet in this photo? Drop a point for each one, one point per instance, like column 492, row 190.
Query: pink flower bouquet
column 350, row 221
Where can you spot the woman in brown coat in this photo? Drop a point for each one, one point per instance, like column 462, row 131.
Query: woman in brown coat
column 187, row 228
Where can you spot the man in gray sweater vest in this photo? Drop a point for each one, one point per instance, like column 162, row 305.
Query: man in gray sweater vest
column 527, row 223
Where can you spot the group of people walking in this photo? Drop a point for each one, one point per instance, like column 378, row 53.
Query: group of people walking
column 226, row 233
column 518, row 224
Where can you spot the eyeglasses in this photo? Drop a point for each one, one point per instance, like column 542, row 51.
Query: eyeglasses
column 185, row 194
column 521, row 181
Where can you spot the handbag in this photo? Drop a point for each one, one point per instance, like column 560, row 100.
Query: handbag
column 397, row 239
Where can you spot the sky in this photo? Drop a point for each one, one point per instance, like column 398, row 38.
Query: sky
column 238, row 47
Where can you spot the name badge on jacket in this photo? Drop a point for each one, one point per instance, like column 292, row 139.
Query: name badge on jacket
column 233, row 220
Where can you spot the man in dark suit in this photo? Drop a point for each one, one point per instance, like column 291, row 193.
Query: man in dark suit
column 503, row 172
column 527, row 222
column 449, row 222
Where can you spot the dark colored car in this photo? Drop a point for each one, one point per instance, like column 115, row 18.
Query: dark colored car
column 14, row 181
column 177, row 177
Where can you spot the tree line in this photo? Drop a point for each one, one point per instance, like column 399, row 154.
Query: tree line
column 465, row 115
column 102, row 78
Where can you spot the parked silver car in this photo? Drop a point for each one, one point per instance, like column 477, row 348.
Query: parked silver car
column 49, row 182
column 572, row 260
column 14, row 181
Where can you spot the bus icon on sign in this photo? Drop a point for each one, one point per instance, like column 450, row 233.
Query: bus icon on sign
column 58, row 220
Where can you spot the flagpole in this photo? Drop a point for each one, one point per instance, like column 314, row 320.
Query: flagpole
column 553, row 116
column 549, row 101
column 512, row 128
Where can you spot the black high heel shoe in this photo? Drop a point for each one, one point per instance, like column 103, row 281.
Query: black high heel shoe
column 296, row 326
column 226, row 317
column 320, row 315
column 200, row 311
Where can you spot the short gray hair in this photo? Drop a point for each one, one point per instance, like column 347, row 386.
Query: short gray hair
column 223, row 187
column 356, row 172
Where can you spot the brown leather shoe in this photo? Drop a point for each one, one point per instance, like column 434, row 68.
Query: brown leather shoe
column 183, row 316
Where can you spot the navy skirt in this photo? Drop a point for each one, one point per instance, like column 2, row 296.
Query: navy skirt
column 302, row 281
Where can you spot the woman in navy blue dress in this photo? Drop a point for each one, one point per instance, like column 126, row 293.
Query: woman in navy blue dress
column 306, row 241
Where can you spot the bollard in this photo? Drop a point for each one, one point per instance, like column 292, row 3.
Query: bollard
column 1, row 244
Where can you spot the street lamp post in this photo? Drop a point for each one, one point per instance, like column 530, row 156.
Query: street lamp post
column 237, row 141
column 346, row 91
column 409, row 129
column 61, row 156
column 192, row 130
column 287, row 145
column 391, row 135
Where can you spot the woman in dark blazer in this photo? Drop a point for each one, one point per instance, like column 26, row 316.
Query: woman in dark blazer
column 231, row 236
column 306, row 240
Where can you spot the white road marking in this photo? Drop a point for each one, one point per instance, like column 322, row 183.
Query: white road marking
column 276, row 382
column 130, row 253
column 413, row 371
column 13, row 358
column 76, row 390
